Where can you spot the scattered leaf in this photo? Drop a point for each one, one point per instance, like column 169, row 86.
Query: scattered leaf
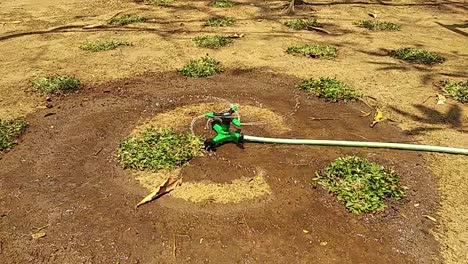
column 373, row 15
column 416, row 205
column 236, row 36
column 430, row 218
column 378, row 117
column 323, row 243
column 441, row 99
column 38, row 235
column 364, row 114
column 305, row 231
column 167, row 186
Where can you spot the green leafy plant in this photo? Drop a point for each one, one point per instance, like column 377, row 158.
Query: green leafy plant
column 299, row 24
column 220, row 22
column 377, row 25
column 56, row 84
column 159, row 2
column 203, row 67
column 330, row 89
column 127, row 19
column 414, row 55
column 222, row 3
column 457, row 90
column 156, row 149
column 9, row 131
column 314, row 51
column 102, row 45
column 362, row 185
column 212, row 41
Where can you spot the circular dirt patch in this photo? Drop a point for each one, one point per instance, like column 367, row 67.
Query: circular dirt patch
column 66, row 163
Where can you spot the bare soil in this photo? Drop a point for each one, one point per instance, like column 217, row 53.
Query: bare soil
column 62, row 176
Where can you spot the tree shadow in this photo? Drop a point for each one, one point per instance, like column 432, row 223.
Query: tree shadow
column 455, row 28
column 433, row 117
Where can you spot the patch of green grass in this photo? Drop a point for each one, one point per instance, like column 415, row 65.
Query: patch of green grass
column 56, row 84
column 203, row 67
column 155, row 149
column 9, row 131
column 212, row 41
column 377, row 25
column 222, row 3
column 414, row 55
column 102, row 45
column 314, row 51
column 330, row 89
column 220, row 22
column 299, row 24
column 127, row 19
column 362, row 185
column 457, row 90
column 159, row 2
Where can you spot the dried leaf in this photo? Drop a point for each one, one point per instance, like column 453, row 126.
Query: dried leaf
column 378, row 117
column 167, row 186
column 38, row 235
column 441, row 99
column 430, row 218
column 305, row 231
column 323, row 243
column 364, row 114
column 373, row 15
column 236, row 36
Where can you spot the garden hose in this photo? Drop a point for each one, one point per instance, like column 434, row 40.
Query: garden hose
column 340, row 143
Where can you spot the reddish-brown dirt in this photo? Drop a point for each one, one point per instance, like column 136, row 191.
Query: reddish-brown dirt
column 63, row 177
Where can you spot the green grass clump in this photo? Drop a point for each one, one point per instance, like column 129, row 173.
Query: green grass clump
column 155, row 149
column 414, row 55
column 299, row 24
column 212, row 41
column 376, row 25
column 222, row 3
column 159, row 2
column 56, row 84
column 127, row 19
column 457, row 90
column 102, row 45
column 330, row 89
column 9, row 131
column 314, row 50
column 220, row 22
column 362, row 185
column 203, row 67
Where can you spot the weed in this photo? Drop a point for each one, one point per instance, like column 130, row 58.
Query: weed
column 314, row 51
column 220, row 22
column 203, row 67
column 457, row 90
column 362, row 185
column 159, row 2
column 103, row 45
column 127, row 19
column 299, row 24
column 56, row 84
column 222, row 3
column 9, row 131
column 414, row 55
column 212, row 41
column 330, row 89
column 155, row 149
column 376, row 25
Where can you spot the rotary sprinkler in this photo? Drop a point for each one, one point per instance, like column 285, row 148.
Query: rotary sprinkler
column 221, row 124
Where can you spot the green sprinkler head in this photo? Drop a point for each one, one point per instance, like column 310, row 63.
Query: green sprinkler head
column 221, row 124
